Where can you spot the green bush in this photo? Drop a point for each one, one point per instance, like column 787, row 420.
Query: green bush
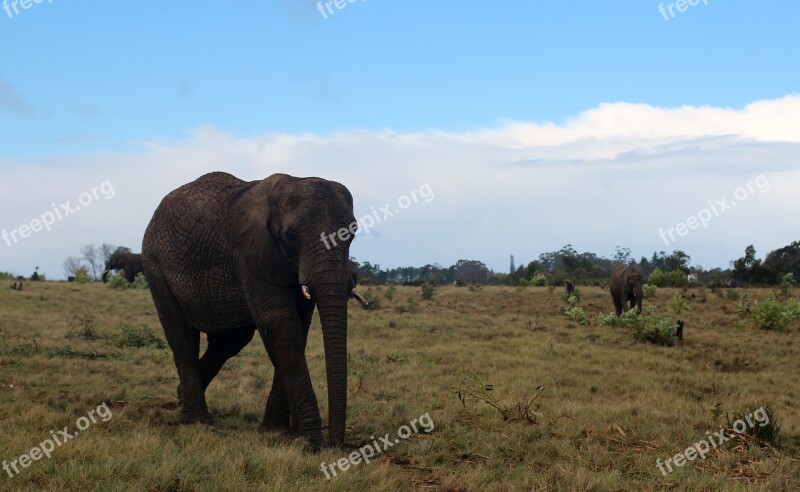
column 628, row 319
column 137, row 336
column 576, row 314
column 116, row 281
column 649, row 291
column 767, row 432
column 659, row 331
column 6, row 276
column 390, row 292
column 373, row 303
column 82, row 275
column 140, row 282
column 677, row 304
column 538, row 280
column 769, row 314
column 427, row 291
column 672, row 278
column 733, row 295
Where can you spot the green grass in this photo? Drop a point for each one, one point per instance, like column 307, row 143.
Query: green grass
column 522, row 398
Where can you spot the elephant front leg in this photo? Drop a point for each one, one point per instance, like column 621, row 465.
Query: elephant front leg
column 292, row 402
column 276, row 414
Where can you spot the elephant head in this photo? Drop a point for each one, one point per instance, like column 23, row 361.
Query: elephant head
column 626, row 288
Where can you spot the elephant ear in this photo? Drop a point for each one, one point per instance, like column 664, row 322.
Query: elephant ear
column 249, row 223
column 634, row 279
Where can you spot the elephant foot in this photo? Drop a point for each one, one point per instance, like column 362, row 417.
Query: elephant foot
column 201, row 417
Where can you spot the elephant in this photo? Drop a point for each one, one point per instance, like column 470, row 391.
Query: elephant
column 626, row 286
column 226, row 257
column 130, row 263
column 570, row 288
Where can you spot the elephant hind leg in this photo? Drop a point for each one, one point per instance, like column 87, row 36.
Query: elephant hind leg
column 184, row 340
column 221, row 347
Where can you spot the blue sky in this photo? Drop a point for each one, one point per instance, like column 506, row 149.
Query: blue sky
column 88, row 89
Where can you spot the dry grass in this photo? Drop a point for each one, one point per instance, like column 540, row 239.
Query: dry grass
column 609, row 408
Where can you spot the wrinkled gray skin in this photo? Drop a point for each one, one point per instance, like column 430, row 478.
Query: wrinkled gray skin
column 626, row 287
column 226, row 257
column 129, row 263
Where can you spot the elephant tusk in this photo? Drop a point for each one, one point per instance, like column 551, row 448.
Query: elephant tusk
column 361, row 298
column 306, row 292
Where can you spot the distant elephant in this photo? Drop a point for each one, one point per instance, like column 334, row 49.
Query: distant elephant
column 570, row 288
column 626, row 287
column 227, row 257
column 130, row 263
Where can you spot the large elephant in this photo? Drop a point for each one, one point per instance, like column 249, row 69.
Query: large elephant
column 227, row 257
column 129, row 263
column 626, row 286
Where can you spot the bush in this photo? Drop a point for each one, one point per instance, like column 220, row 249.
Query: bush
column 627, row 320
column 576, row 314
column 390, row 292
column 769, row 314
column 767, row 430
column 659, row 331
column 409, row 307
column 137, row 336
column 373, row 303
column 677, row 304
column 140, row 282
column 672, row 278
column 427, row 291
column 116, row 281
column 649, row 291
column 538, row 280
column 474, row 287
column 82, row 275
column 733, row 295
column 6, row 276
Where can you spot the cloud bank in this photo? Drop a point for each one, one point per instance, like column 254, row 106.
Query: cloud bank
column 612, row 175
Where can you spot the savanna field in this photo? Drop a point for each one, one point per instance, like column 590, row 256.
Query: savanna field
column 520, row 397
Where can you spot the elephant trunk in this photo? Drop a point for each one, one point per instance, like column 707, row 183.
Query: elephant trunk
column 104, row 276
column 639, row 295
column 330, row 292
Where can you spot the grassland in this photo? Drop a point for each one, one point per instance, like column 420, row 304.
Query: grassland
column 609, row 408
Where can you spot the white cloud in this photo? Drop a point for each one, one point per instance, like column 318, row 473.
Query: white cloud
column 611, row 176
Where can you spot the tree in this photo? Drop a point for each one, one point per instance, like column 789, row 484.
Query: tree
column 784, row 260
column 749, row 269
column 93, row 256
column 71, row 265
column 511, row 267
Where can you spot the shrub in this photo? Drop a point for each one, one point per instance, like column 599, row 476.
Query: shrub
column 626, row 320
column 538, row 280
column 767, row 430
column 6, row 276
column 659, row 331
column 116, row 281
column 649, row 290
column 390, row 292
column 677, row 304
column 576, row 314
column 140, row 282
column 427, row 291
column 733, row 295
column 373, row 303
column 137, row 336
column 769, row 314
column 82, row 275
column 474, row 287
column 409, row 307
column 672, row 278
